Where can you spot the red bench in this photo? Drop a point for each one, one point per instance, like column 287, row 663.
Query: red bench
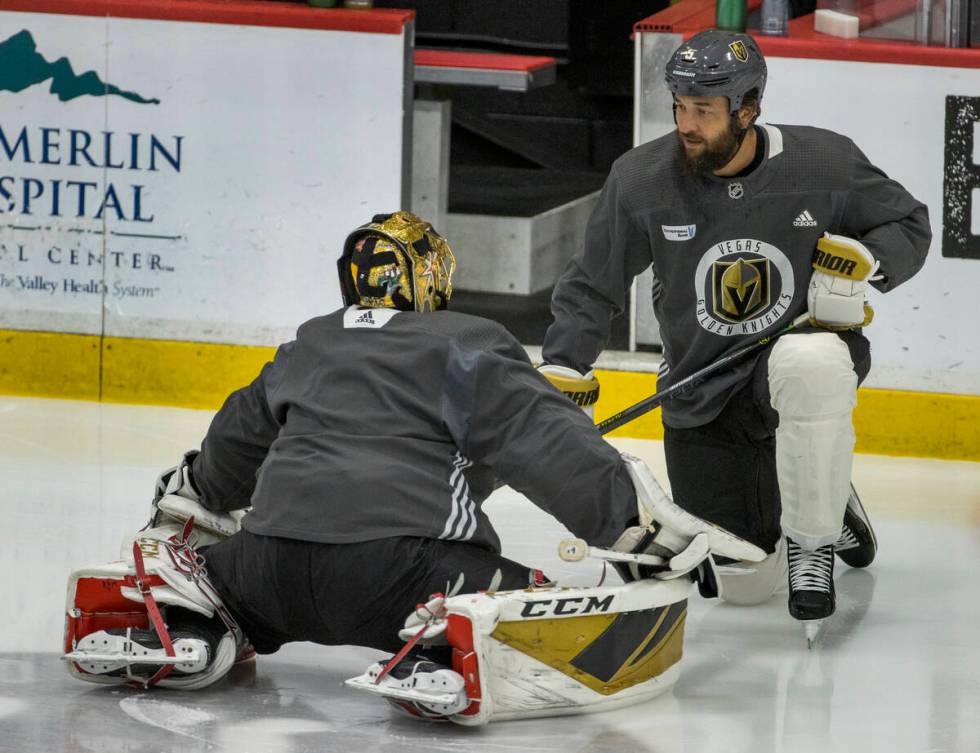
column 511, row 72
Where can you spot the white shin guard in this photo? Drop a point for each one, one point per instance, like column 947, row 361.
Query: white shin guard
column 813, row 387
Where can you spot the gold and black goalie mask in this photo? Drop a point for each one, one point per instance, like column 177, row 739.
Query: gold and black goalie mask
column 397, row 261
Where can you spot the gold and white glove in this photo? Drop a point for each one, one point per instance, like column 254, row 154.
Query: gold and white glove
column 842, row 268
column 581, row 389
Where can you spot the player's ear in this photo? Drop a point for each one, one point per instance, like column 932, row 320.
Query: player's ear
column 747, row 113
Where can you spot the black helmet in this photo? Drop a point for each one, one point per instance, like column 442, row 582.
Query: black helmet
column 717, row 63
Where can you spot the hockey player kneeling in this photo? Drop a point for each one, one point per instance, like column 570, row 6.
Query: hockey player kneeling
column 550, row 651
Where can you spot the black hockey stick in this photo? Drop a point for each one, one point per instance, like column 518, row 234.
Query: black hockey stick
column 689, row 383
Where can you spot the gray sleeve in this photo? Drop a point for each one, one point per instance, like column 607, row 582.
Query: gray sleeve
column 503, row 414
column 592, row 290
column 888, row 220
column 238, row 441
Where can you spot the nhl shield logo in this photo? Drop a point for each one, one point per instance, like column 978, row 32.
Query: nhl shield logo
column 735, row 191
column 739, row 51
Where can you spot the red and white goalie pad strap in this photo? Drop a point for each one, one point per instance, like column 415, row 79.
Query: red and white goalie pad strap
column 162, row 569
column 556, row 651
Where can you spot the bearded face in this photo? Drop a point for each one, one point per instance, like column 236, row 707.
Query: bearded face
column 704, row 153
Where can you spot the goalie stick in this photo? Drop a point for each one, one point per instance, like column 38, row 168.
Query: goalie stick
column 689, row 383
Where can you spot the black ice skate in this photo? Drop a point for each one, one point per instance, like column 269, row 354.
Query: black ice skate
column 811, row 585
column 857, row 544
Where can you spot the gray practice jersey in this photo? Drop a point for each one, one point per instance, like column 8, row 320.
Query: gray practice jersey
column 376, row 423
column 731, row 256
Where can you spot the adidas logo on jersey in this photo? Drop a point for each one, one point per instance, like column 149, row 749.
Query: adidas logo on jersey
column 358, row 318
column 805, row 219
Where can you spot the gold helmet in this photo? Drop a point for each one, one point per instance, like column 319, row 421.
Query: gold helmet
column 397, row 261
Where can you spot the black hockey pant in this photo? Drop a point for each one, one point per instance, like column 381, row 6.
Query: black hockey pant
column 283, row 590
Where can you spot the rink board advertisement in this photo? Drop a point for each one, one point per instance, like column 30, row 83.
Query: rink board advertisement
column 187, row 180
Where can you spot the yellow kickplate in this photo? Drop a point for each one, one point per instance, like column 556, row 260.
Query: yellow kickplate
column 184, row 374
column 49, row 364
column 202, row 375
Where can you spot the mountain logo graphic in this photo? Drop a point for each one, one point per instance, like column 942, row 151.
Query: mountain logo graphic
column 22, row 66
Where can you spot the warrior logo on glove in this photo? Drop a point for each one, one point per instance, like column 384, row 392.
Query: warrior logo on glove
column 837, row 296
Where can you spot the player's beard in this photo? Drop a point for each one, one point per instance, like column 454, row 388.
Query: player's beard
column 715, row 153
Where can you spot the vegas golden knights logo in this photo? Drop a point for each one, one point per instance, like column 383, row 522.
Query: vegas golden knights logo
column 741, row 288
column 738, row 49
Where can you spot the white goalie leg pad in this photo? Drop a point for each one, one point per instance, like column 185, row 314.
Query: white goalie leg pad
column 556, row 651
column 677, row 529
column 813, row 387
column 108, row 603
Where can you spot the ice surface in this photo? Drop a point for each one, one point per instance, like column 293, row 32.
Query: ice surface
column 895, row 669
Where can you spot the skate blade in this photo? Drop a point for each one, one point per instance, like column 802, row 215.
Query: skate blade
column 366, row 683
column 811, row 629
column 100, row 652
column 190, row 657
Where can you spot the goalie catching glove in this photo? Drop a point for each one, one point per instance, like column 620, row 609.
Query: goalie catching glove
column 842, row 269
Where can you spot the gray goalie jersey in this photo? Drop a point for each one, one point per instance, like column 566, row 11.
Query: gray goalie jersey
column 375, row 423
column 731, row 256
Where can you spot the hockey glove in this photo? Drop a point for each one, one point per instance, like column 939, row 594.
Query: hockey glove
column 842, row 268
column 581, row 389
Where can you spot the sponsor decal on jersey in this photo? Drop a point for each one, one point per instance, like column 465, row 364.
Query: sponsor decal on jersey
column 743, row 286
column 805, row 219
column 358, row 318
column 735, row 190
column 679, row 232
column 739, row 51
